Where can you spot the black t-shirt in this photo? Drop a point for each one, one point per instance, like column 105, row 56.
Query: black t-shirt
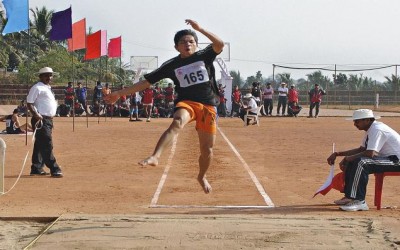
column 194, row 76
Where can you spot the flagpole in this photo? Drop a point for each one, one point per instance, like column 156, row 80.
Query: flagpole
column 27, row 84
column 98, row 119
column 73, row 85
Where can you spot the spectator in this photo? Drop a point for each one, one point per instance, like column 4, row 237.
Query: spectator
column 69, row 97
column 78, row 108
column 169, row 99
column 147, row 101
column 268, row 99
column 282, row 99
column 256, row 92
column 315, row 96
column 293, row 96
column 134, row 108
column 294, row 109
column 109, row 109
column 98, row 93
column 236, row 101
column 81, row 95
column 22, row 110
column 96, row 108
column 222, row 100
column 13, row 125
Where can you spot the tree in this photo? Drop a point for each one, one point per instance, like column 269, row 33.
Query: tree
column 285, row 77
column 41, row 26
column 317, row 78
column 237, row 79
column 392, row 83
column 341, row 79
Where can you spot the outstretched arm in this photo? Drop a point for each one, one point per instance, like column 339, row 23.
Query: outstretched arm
column 114, row 96
column 217, row 42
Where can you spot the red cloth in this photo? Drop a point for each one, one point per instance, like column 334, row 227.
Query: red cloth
column 337, row 183
column 114, row 47
column 78, row 40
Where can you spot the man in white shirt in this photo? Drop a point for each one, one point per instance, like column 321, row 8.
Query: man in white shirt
column 43, row 106
column 282, row 98
column 251, row 106
column 379, row 152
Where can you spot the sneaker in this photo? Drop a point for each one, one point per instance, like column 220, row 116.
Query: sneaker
column 38, row 172
column 343, row 201
column 57, row 174
column 355, row 205
column 148, row 120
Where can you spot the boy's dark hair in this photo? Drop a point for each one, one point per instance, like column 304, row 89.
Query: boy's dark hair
column 182, row 33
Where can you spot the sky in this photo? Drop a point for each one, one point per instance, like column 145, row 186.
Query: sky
column 298, row 33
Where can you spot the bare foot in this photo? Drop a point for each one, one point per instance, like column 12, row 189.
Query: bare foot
column 152, row 161
column 205, row 185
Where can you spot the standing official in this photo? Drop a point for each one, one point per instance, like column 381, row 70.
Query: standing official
column 43, row 105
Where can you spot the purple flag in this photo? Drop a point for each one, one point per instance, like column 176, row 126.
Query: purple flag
column 61, row 25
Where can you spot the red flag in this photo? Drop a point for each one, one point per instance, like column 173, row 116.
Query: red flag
column 114, row 47
column 96, row 45
column 78, row 40
column 337, row 183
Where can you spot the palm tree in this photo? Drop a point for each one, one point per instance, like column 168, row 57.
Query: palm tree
column 41, row 22
column 285, row 77
column 392, row 83
column 317, row 78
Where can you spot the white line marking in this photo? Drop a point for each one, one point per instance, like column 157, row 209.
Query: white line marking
column 164, row 176
column 260, row 188
column 225, row 207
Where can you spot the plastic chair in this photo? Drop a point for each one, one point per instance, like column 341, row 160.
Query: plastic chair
column 378, row 186
column 254, row 118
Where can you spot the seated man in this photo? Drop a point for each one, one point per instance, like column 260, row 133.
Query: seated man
column 63, row 110
column 78, row 108
column 13, row 125
column 294, row 109
column 96, row 108
column 251, row 106
column 379, row 152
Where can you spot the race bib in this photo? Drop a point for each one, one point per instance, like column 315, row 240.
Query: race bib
column 192, row 74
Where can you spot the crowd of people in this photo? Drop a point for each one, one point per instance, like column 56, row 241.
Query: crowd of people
column 288, row 100
column 154, row 101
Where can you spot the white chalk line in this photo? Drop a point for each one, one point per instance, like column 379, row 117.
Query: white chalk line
column 259, row 187
column 224, row 207
column 164, row 176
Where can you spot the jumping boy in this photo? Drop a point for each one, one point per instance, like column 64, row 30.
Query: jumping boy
column 193, row 74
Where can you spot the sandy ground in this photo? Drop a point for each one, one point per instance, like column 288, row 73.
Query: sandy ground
column 106, row 201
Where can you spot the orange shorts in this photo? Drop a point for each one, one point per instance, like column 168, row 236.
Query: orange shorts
column 204, row 115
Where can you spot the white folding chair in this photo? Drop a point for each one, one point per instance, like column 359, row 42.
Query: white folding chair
column 254, row 118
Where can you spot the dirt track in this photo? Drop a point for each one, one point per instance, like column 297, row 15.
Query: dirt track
column 287, row 155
